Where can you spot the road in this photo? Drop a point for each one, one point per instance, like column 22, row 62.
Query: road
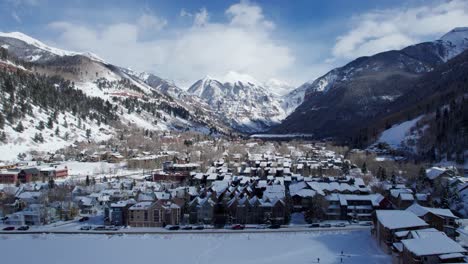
column 158, row 230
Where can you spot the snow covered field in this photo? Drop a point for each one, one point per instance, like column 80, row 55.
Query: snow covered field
column 357, row 247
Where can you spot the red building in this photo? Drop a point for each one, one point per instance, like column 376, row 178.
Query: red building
column 8, row 176
column 54, row 172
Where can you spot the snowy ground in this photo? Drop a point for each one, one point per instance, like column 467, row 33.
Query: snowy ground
column 357, row 247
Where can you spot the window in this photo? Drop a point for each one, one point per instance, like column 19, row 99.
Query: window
column 157, row 216
column 146, row 215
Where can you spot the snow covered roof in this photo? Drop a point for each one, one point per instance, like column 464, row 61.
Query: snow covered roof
column 434, row 172
column 397, row 219
column 141, row 206
column 421, row 211
column 437, row 243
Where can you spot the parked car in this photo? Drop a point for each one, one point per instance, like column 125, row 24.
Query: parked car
column 199, row 227
column 187, row 227
column 314, row 225
column 325, row 225
column 237, row 227
column 86, row 228
column 23, row 228
column 99, row 228
column 340, row 225
column 9, row 228
column 274, row 226
column 112, row 228
column 83, row 219
column 261, row 227
column 172, row 227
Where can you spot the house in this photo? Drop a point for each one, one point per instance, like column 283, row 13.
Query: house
column 201, row 210
column 28, row 174
column 428, row 246
column 353, row 206
column 35, row 214
column 86, row 204
column 115, row 157
column 155, row 214
column 438, row 218
column 147, row 162
column 54, row 172
column 22, row 175
column 401, row 198
column 166, row 213
column 389, row 223
column 118, row 212
column 140, row 213
column 9, row 176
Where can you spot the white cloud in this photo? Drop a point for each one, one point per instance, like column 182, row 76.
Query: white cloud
column 201, row 18
column 245, row 14
column 242, row 43
column 382, row 30
column 150, row 22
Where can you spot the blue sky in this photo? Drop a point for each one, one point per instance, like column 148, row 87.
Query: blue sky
column 292, row 41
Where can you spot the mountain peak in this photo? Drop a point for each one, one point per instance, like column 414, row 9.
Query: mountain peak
column 42, row 46
column 235, row 77
column 456, row 35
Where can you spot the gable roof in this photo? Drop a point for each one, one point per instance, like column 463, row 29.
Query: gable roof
column 397, row 219
column 437, row 243
column 421, row 211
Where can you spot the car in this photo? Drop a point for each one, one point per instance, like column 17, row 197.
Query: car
column 199, row 227
column 112, row 228
column 9, row 228
column 4, row 218
column 261, row 227
column 86, row 228
column 237, row 227
column 23, row 228
column 99, row 228
column 172, row 227
column 83, row 219
column 187, row 228
column 274, row 226
column 326, row 225
column 340, row 225
column 314, row 225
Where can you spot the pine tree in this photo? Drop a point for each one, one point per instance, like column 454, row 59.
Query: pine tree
column 88, row 133
column 2, row 137
column 2, row 121
column 41, row 126
column 19, row 127
column 51, row 183
column 50, row 123
column 422, row 174
column 57, row 131
column 364, row 167
column 87, row 180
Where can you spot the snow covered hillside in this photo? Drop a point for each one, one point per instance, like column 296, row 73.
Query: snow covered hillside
column 403, row 135
column 357, row 247
column 110, row 90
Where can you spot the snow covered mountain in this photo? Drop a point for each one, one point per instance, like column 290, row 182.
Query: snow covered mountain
column 131, row 99
column 425, row 56
column 29, row 49
column 351, row 95
column 244, row 104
